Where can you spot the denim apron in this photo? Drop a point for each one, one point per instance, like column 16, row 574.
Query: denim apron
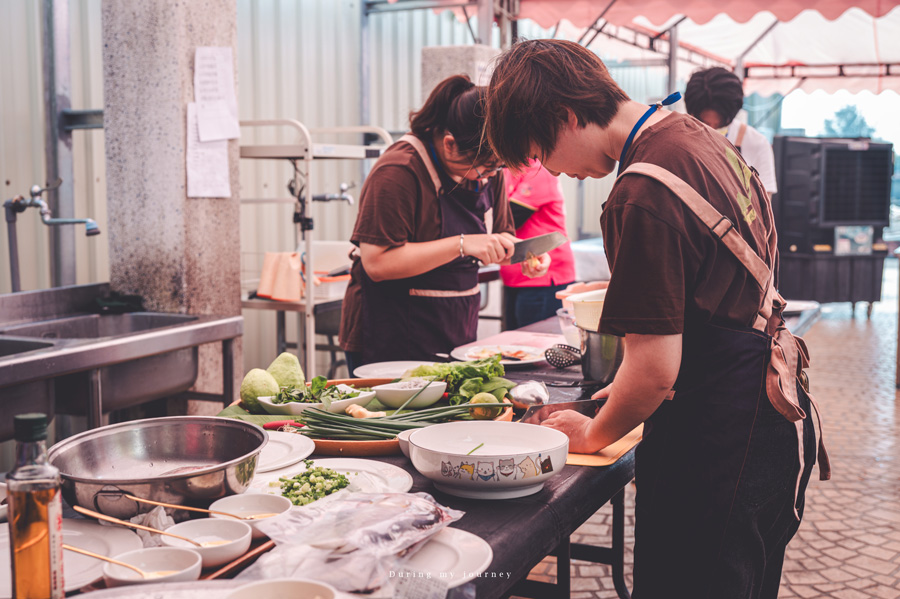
column 722, row 467
column 416, row 317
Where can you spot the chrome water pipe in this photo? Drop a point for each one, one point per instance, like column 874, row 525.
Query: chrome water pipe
column 18, row 204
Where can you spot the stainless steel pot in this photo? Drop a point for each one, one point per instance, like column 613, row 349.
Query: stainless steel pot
column 187, row 460
column 601, row 355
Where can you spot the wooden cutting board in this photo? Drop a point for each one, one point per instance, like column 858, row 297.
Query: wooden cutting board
column 611, row 453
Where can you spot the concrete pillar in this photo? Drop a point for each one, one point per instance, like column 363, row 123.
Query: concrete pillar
column 181, row 254
column 440, row 62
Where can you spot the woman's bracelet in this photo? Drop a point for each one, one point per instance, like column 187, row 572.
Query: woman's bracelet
column 462, row 253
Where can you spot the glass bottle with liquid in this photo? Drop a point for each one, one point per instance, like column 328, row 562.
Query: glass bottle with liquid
column 35, row 514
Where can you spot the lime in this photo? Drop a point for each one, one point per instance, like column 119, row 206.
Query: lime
column 485, row 413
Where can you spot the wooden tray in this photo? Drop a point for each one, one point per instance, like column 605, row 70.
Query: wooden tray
column 238, row 564
column 346, row 448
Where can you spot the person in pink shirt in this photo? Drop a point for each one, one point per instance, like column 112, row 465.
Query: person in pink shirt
column 537, row 204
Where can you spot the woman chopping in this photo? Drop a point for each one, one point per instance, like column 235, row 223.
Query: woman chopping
column 432, row 208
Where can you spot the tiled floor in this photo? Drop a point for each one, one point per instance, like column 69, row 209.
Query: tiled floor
column 848, row 546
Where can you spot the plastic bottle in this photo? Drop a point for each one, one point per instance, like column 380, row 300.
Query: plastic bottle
column 35, row 515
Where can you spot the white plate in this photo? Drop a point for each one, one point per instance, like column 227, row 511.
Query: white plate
column 283, row 450
column 453, row 556
column 367, row 476
column 386, row 370
column 294, row 408
column 78, row 570
column 479, row 352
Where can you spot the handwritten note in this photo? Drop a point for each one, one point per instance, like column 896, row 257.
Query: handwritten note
column 217, row 112
column 207, row 162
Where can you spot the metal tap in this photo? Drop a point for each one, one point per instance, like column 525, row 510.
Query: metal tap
column 343, row 195
column 20, row 204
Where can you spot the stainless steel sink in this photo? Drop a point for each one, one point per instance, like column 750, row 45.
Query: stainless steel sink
column 93, row 326
column 123, row 385
column 16, row 346
column 58, row 355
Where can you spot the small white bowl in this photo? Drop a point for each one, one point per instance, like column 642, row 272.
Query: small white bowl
column 236, row 532
column 284, row 588
column 249, row 504
column 488, row 459
column 391, row 395
column 294, row 408
column 3, row 508
column 403, row 438
column 185, row 563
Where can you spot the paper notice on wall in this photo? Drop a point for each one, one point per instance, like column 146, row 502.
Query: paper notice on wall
column 207, row 162
column 217, row 112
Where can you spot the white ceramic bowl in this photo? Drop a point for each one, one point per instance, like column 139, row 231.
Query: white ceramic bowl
column 293, row 408
column 184, row 562
column 403, row 438
column 284, row 588
column 237, row 534
column 3, row 507
column 513, row 459
column 248, row 504
column 393, row 395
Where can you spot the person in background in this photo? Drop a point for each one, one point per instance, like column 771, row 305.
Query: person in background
column 726, row 456
column 715, row 96
column 432, row 208
column 538, row 207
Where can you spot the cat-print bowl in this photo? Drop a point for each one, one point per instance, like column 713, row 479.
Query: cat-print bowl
column 488, row 459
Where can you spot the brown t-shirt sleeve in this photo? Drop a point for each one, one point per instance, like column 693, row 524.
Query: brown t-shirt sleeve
column 648, row 259
column 503, row 219
column 387, row 207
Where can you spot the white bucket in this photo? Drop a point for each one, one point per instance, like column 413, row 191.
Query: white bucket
column 588, row 307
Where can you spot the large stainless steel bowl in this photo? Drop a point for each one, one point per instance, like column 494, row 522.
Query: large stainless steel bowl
column 186, row 460
column 601, row 355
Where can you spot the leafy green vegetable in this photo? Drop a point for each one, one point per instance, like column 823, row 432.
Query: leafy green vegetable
column 315, row 483
column 467, row 379
column 317, row 392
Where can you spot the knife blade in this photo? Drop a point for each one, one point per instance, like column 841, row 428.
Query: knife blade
column 537, row 414
column 535, row 246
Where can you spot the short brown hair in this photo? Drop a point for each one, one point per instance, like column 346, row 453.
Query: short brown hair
column 533, row 84
column 714, row 89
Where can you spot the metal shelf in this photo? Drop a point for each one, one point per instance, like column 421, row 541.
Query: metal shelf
column 302, row 153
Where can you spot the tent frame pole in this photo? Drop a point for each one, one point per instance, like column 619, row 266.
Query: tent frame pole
column 739, row 63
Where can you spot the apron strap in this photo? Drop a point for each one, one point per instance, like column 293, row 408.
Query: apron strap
column 721, row 227
column 416, row 143
column 445, row 292
column 435, row 178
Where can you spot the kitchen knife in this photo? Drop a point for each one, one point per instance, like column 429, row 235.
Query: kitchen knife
column 535, row 246
column 537, row 414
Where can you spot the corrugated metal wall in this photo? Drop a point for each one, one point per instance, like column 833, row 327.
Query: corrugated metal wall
column 296, row 60
column 22, row 137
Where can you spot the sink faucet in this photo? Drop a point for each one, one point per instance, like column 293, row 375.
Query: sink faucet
column 343, row 195
column 19, row 204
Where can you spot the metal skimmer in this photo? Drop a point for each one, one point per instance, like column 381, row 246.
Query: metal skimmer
column 562, row 356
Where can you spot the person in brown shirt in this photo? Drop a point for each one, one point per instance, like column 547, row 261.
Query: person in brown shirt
column 432, row 208
column 720, row 473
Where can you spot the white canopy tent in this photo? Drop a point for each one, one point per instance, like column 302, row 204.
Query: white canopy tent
column 779, row 47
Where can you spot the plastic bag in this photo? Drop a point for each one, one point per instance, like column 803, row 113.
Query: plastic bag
column 352, row 541
column 156, row 518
